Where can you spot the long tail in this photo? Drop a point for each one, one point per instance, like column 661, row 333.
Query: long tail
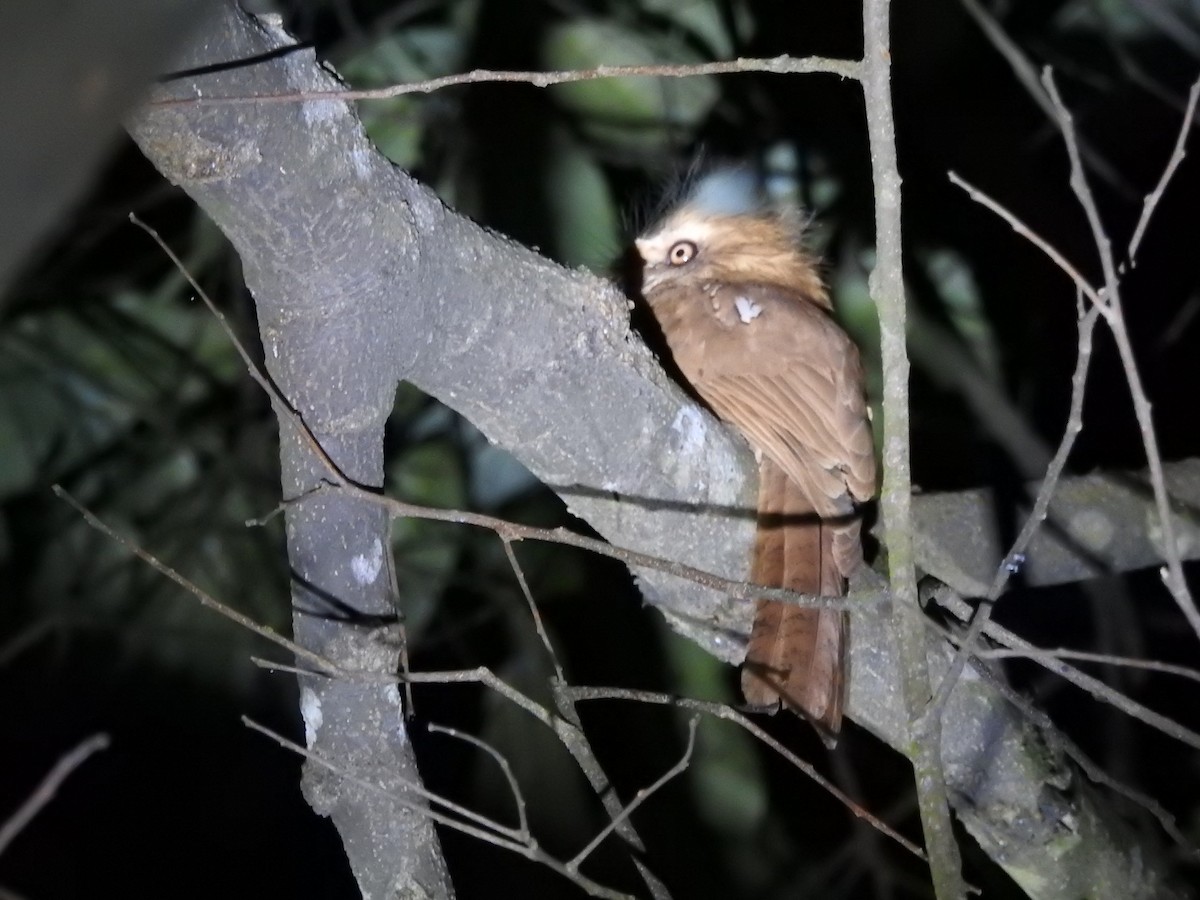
column 796, row 654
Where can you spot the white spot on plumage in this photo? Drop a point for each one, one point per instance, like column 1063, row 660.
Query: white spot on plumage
column 747, row 309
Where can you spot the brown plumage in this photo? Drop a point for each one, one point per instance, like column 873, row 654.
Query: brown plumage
column 746, row 318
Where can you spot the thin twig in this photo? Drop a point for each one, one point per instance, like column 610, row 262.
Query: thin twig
column 956, row 606
column 512, row 531
column 522, row 830
column 1126, row 662
column 28, row 637
column 45, row 791
column 1109, row 304
column 1054, row 736
column 779, row 65
column 1027, row 75
column 486, row 829
column 1177, row 155
column 865, row 851
column 642, row 796
column 723, row 711
column 1015, row 557
column 571, row 733
column 280, row 404
column 484, row 676
column 1112, row 311
column 410, row 708
column 568, row 731
column 533, row 609
column 1041, row 505
column 515, row 531
column 1033, row 237
column 203, row 596
column 487, row 678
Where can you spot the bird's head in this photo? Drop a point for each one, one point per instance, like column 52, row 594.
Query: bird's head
column 694, row 247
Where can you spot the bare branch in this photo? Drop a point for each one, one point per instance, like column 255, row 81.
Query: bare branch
column 1033, row 237
column 45, row 791
column 279, row 403
column 887, row 290
column 1177, row 155
column 1027, row 76
column 642, row 796
column 521, row 832
column 1087, row 535
column 1111, row 309
column 959, row 608
column 323, row 665
column 485, row 830
column 1015, row 558
column 1057, row 739
column 533, row 609
column 723, row 711
column 575, row 737
column 1149, row 665
column 779, row 65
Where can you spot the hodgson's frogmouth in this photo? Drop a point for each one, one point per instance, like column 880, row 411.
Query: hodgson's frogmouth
column 747, row 319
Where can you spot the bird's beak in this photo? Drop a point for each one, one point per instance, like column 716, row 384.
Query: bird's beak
column 650, row 272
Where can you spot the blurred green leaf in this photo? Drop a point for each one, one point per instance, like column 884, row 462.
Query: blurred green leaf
column 706, row 20
column 430, row 473
column 581, row 206
column 427, row 553
column 71, row 384
column 726, row 776
column 851, row 295
column 31, row 417
column 635, row 114
column 396, row 124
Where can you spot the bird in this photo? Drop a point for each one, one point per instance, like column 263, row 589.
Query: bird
column 748, row 323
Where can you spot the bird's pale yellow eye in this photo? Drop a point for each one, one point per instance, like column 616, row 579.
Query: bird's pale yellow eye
column 681, row 252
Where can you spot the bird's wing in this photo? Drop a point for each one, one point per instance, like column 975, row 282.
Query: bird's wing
column 778, row 368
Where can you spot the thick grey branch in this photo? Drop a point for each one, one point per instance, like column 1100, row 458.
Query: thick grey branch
column 320, row 257
column 1099, row 524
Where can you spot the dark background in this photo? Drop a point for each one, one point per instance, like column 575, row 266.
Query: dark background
column 114, row 384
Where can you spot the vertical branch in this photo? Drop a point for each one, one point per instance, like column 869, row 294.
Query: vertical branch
column 278, row 186
column 887, row 289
